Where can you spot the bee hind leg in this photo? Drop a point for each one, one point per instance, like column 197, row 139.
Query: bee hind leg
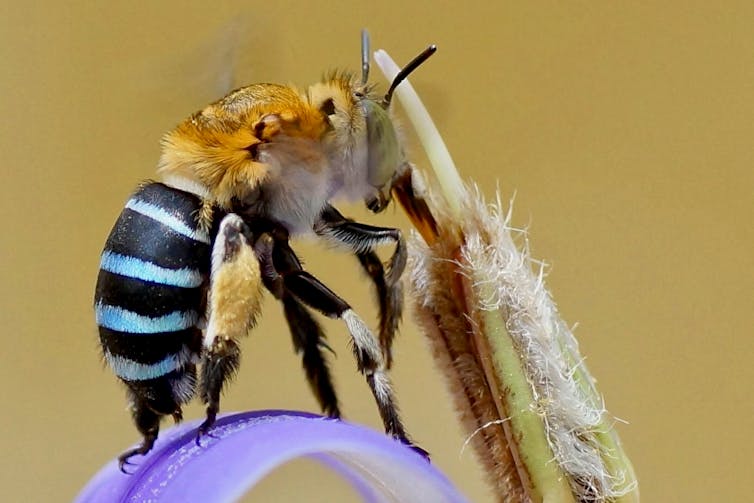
column 218, row 367
column 148, row 423
column 362, row 239
column 234, row 305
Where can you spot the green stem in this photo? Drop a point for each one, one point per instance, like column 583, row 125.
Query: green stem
column 540, row 474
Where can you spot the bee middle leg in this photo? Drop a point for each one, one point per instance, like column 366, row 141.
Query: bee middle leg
column 308, row 339
column 313, row 293
column 362, row 239
column 308, row 336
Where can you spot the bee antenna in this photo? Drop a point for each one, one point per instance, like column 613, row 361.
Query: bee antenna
column 364, row 56
column 418, row 60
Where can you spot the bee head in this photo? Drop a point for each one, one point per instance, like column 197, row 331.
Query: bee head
column 362, row 135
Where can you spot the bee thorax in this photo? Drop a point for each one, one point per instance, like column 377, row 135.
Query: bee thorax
column 295, row 192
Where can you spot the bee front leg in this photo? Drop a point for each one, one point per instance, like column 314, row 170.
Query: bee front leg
column 389, row 298
column 362, row 239
column 234, row 303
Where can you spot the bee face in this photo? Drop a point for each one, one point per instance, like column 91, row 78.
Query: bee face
column 361, row 141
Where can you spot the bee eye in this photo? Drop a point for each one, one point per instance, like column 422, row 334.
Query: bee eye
column 328, row 107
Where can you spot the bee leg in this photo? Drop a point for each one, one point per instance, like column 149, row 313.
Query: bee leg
column 308, row 336
column 234, row 303
column 152, row 399
column 219, row 365
column 308, row 339
column 315, row 294
column 148, row 423
column 362, row 239
column 390, row 299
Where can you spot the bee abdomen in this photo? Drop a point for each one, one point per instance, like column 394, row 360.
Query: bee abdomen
column 150, row 289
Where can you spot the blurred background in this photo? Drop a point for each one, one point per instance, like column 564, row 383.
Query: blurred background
column 625, row 131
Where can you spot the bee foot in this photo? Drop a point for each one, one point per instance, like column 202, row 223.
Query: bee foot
column 408, row 443
column 205, row 427
column 123, row 459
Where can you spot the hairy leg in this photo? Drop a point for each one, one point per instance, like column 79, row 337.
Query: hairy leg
column 361, row 239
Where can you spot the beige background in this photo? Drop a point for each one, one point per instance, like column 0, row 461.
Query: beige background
column 626, row 132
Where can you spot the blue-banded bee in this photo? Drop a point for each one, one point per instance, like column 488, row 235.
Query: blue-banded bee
column 183, row 270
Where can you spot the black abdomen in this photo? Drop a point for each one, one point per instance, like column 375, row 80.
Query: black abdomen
column 150, row 294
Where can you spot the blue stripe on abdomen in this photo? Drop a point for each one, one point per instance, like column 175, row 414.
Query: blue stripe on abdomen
column 167, row 219
column 133, row 267
column 122, row 320
column 132, row 370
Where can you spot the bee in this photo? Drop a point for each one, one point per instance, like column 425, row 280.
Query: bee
column 184, row 268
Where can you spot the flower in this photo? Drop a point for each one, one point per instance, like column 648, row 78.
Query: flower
column 522, row 390
column 178, row 470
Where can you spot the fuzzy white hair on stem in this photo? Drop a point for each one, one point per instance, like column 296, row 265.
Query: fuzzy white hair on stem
column 511, row 362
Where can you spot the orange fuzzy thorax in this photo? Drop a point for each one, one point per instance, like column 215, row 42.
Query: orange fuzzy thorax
column 216, row 149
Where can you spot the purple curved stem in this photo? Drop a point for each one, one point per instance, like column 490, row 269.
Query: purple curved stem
column 378, row 467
